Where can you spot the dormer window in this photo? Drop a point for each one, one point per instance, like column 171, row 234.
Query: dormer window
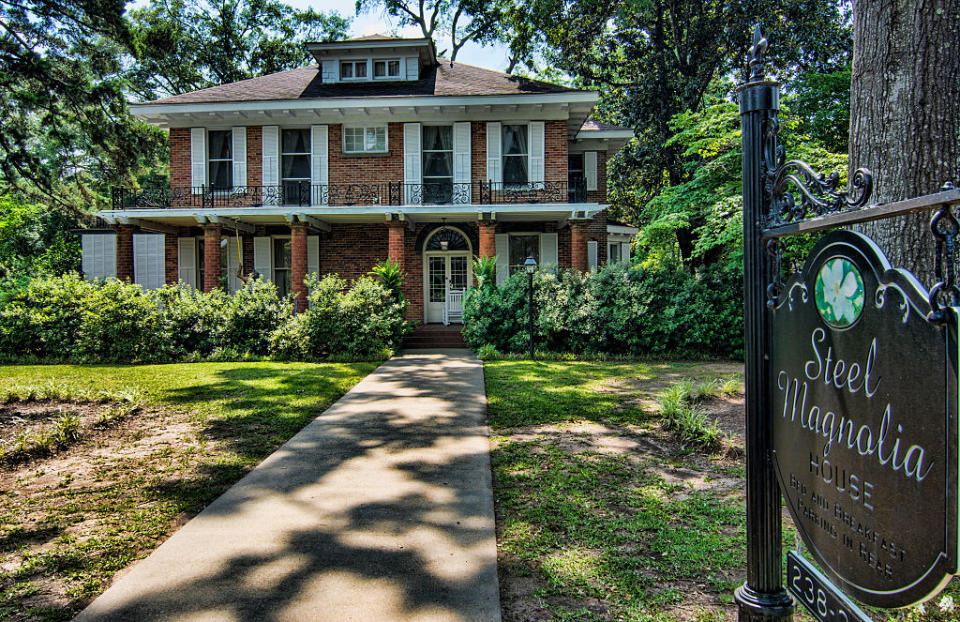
column 353, row 70
column 385, row 68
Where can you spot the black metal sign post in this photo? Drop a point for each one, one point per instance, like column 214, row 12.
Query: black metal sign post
column 763, row 596
column 852, row 394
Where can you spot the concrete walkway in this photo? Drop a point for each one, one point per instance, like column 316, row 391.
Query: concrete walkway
column 381, row 509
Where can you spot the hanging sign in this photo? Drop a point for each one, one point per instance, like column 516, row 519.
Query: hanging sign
column 864, row 403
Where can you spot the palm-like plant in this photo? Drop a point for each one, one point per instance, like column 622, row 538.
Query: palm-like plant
column 390, row 275
column 485, row 269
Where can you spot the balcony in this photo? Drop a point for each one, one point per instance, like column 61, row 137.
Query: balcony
column 360, row 194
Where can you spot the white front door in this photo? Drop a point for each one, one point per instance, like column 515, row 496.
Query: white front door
column 440, row 272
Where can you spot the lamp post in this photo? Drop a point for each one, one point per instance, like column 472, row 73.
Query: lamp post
column 531, row 266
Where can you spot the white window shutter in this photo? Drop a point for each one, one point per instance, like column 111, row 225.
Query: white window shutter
column 313, row 254
column 461, row 162
column 625, row 252
column 494, row 149
column 198, row 158
column 262, row 259
column 99, row 258
column 234, row 282
column 502, row 241
column 239, row 158
column 413, row 68
column 148, row 260
column 330, row 71
column 319, row 159
column 593, row 259
column 549, row 251
column 270, row 163
column 412, row 174
column 187, row 261
column 590, row 169
column 537, row 136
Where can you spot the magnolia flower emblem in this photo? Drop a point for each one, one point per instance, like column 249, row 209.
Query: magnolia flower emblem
column 839, row 292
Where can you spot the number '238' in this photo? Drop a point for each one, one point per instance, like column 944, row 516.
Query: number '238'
column 816, row 598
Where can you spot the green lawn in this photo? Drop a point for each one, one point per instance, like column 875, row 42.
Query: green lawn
column 600, row 516
column 70, row 521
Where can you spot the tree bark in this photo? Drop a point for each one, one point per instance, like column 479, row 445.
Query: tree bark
column 905, row 114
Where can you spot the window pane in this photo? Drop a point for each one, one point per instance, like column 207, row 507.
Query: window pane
column 220, row 145
column 515, row 140
column 437, row 164
column 352, row 139
column 515, row 169
column 437, row 279
column 221, row 174
column 296, row 141
column 521, row 247
column 437, row 137
column 346, row 70
column 613, row 253
column 381, row 142
column 379, row 69
column 458, row 273
column 575, row 163
column 373, row 142
column 296, row 167
column 393, row 68
column 360, row 70
column 281, row 253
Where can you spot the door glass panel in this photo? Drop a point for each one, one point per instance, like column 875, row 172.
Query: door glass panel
column 437, row 279
column 458, row 273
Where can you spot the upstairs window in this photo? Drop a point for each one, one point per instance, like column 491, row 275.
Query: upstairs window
column 386, row 68
column 365, row 139
column 515, row 155
column 220, row 159
column 353, row 69
column 295, row 165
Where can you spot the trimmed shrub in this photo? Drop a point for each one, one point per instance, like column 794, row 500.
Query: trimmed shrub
column 41, row 319
column 621, row 309
column 119, row 323
column 251, row 315
column 363, row 320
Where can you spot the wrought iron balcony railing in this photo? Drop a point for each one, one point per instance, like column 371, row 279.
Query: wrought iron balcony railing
column 302, row 193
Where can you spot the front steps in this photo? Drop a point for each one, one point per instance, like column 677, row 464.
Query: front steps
column 430, row 336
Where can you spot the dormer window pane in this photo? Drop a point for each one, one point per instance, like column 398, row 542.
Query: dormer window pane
column 346, row 71
column 379, row 69
column 360, row 69
column 353, row 69
column 386, row 68
column 393, row 68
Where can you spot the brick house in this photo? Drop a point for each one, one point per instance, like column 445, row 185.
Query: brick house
column 379, row 150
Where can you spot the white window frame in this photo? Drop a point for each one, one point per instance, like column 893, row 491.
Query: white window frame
column 281, row 153
column 210, row 160
column 366, row 129
column 365, row 62
column 387, row 75
column 514, row 186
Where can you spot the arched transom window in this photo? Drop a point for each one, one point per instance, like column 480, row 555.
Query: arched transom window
column 447, row 240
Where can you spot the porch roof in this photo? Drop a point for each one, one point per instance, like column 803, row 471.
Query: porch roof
column 166, row 220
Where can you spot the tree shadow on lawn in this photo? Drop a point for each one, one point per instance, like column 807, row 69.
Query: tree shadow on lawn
column 360, row 507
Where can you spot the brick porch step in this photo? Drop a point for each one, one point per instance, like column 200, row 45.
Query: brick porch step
column 435, row 336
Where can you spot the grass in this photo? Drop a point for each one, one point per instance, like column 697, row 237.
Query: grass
column 67, row 527
column 594, row 534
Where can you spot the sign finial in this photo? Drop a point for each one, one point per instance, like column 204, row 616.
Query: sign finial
column 757, row 54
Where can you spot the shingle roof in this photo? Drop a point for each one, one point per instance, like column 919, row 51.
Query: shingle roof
column 304, row 83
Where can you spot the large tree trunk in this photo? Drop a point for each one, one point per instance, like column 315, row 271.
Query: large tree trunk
column 905, row 114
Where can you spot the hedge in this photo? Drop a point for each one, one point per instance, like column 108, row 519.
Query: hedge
column 621, row 309
column 68, row 318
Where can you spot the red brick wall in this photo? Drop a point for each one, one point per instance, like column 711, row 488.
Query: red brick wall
column 298, row 264
column 211, row 257
column 356, row 168
column 555, row 151
column 254, row 155
column 180, row 157
column 171, row 269
column 125, row 252
column 478, row 156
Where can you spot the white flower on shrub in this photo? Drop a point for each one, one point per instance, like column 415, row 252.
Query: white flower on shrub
column 946, row 603
column 839, row 292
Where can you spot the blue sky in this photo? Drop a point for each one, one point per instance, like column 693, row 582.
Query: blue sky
column 492, row 57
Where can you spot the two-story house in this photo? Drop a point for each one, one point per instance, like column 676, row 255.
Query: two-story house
column 380, row 150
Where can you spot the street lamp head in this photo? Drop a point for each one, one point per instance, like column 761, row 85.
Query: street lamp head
column 530, row 265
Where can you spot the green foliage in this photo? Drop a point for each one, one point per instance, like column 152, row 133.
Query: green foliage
column 362, row 320
column 34, row 241
column 625, row 310
column 821, row 103
column 68, row 318
column 185, row 45
column 707, row 209
column 682, row 415
column 390, row 275
column 485, row 271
